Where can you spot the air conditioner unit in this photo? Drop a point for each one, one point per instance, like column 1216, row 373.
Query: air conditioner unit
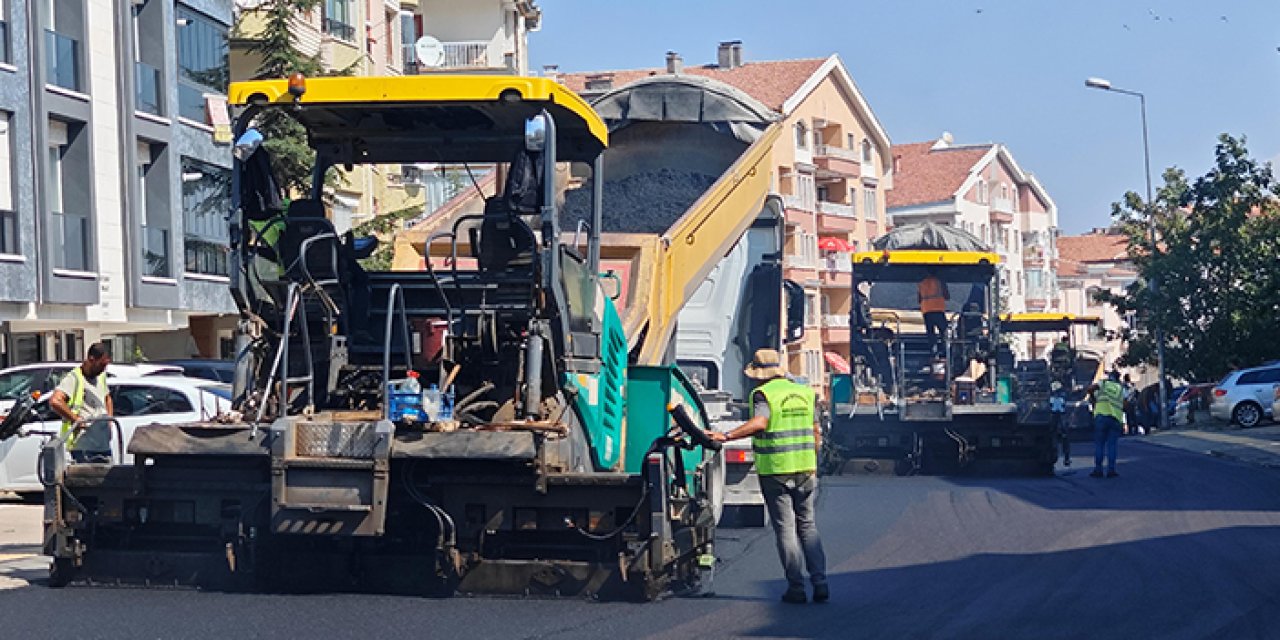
column 410, row 174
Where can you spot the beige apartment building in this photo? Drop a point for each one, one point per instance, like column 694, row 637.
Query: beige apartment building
column 832, row 169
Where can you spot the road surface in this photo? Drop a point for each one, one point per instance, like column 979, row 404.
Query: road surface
column 1180, row 546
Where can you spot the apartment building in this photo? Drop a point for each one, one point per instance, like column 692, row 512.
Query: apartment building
column 832, row 170
column 982, row 189
column 1090, row 264
column 114, row 178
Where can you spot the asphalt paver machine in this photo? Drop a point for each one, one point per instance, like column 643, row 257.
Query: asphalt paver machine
column 912, row 404
column 472, row 427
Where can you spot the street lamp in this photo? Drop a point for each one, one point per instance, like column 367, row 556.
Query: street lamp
column 1105, row 85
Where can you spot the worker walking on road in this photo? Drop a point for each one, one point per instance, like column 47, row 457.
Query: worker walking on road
column 81, row 399
column 933, row 304
column 1108, row 422
column 785, row 438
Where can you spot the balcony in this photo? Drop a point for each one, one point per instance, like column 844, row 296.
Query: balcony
column 834, row 217
column 836, row 279
column 147, row 95
column 838, row 161
column 472, row 54
column 62, row 61
column 155, row 253
column 1033, row 257
column 9, row 233
column 835, row 328
column 999, row 215
column 799, row 269
column 72, row 231
column 796, row 211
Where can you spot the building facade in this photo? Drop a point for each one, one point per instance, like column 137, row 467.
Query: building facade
column 1090, row 264
column 983, row 190
column 114, row 179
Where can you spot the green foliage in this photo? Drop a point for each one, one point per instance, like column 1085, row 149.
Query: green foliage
column 384, row 228
column 1217, row 268
column 286, row 139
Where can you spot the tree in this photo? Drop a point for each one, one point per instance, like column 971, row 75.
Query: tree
column 285, row 138
column 383, row 227
column 1216, row 266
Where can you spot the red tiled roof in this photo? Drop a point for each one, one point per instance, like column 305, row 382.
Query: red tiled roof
column 923, row 174
column 770, row 82
column 1093, row 248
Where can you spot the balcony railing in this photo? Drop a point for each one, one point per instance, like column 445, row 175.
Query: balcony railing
column 839, row 262
column 835, row 321
column 832, row 151
column 73, row 230
column 147, row 95
column 837, row 209
column 796, row 202
column 9, row 232
column 62, row 60
column 799, row 262
column 155, row 253
column 1002, row 204
column 339, row 29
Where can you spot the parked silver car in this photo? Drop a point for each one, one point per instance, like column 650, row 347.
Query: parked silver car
column 1246, row 397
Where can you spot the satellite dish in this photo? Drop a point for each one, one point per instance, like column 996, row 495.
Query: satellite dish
column 429, row 51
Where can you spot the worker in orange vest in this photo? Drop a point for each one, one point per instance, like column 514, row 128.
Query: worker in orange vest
column 933, row 304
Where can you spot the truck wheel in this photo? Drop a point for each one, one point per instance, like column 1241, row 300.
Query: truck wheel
column 1247, row 415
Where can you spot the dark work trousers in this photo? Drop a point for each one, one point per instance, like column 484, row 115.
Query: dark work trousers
column 935, row 327
column 1106, row 436
column 790, row 499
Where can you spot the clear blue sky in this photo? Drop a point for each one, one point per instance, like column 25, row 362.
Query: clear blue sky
column 1009, row 71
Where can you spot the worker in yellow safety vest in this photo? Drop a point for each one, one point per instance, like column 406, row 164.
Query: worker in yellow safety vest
column 933, row 305
column 785, row 438
column 81, row 399
column 1108, row 422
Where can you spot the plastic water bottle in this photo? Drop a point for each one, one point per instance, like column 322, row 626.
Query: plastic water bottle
column 431, row 403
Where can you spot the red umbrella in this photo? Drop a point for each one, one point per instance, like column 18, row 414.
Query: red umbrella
column 837, row 362
column 830, row 243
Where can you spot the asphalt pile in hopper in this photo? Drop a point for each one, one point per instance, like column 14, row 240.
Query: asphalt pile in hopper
column 639, row 203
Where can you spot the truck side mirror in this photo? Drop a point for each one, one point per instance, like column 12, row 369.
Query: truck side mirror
column 535, row 134
column 795, row 310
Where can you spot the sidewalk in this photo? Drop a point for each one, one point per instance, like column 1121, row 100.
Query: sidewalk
column 1258, row 446
column 20, row 536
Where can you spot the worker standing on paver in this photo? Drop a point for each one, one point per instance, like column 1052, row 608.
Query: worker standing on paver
column 1108, row 422
column 80, row 399
column 933, row 305
column 785, row 438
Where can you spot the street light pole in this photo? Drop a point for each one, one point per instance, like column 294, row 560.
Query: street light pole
column 1099, row 83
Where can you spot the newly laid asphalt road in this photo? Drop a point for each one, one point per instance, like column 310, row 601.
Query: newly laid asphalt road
column 1181, row 546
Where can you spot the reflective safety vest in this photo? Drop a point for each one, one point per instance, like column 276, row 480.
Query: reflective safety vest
column 76, row 402
column 931, row 296
column 1109, row 401
column 787, row 445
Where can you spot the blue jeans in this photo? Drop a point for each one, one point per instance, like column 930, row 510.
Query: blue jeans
column 1106, row 435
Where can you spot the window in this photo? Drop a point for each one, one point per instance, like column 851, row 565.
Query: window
column 337, row 19
column 153, row 212
column 408, row 37
column 868, row 154
column 1017, row 275
column 202, row 62
column 807, row 190
column 853, row 200
column 802, row 136
column 146, row 400
column 70, row 223
column 812, row 310
column 982, row 192
column 852, row 140
column 869, row 206
column 985, row 238
column 4, row 31
column 206, row 202
column 8, row 218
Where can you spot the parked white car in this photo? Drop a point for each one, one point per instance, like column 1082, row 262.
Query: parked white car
column 137, row 400
column 19, row 381
column 1246, row 397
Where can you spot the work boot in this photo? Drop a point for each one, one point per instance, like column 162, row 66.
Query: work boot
column 1112, row 474
column 821, row 592
column 795, row 596
column 1096, row 473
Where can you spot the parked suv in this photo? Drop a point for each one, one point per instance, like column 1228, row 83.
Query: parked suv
column 1245, row 397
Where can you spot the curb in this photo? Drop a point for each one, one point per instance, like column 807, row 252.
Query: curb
column 1221, row 455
